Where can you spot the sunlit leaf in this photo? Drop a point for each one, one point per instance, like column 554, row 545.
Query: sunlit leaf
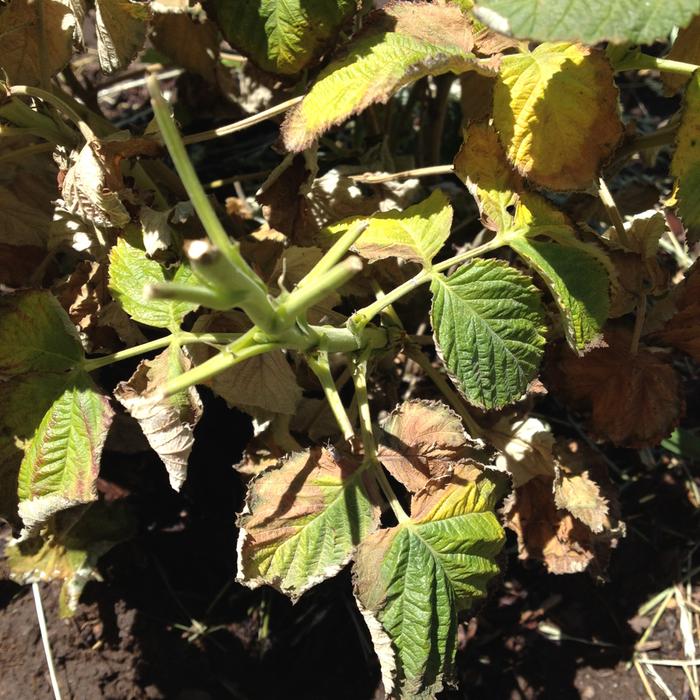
column 685, row 165
column 282, row 36
column 580, row 20
column 401, row 46
column 556, row 113
column 488, row 326
column 415, row 234
column 67, row 549
column 62, row 461
column 422, row 440
column 411, row 580
column 169, row 423
column 303, row 520
column 130, row 271
column 121, row 31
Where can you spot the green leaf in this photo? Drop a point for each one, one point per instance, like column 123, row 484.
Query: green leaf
column 303, row 519
column 62, row 461
column 400, row 47
column 488, row 325
column 413, row 579
column 415, row 234
column 68, row 549
column 590, row 22
column 36, row 335
column 578, row 283
column 686, row 160
column 282, row 36
column 130, row 271
column 577, row 273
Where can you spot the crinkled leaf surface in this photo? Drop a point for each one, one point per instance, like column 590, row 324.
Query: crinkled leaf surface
column 411, row 580
column 169, row 423
column 303, row 520
column 36, row 335
column 415, row 234
column 590, row 22
column 488, row 326
column 282, row 36
column 130, row 271
column 21, row 39
column 685, row 165
column 62, row 461
column 576, row 273
column 121, row 30
column 421, row 440
column 68, row 547
column 555, row 110
column 396, row 50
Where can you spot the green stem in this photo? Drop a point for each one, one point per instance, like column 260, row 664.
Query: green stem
column 370, row 447
column 642, row 61
column 257, row 304
column 363, row 316
column 335, row 252
column 40, row 125
column 55, row 101
column 202, row 296
column 446, row 390
column 321, row 368
column 90, row 365
column 303, row 298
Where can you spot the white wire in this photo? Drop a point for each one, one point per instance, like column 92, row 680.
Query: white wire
column 45, row 640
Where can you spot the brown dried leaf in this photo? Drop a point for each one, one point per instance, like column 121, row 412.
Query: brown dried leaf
column 634, row 400
column 121, row 30
column 169, row 423
column 422, row 440
column 682, row 331
column 22, row 41
column 263, row 382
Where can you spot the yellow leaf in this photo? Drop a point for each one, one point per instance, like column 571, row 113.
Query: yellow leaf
column 556, row 113
column 686, row 48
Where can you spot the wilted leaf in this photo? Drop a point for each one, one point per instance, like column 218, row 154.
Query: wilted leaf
column 121, row 31
column 130, row 271
column 168, row 424
column 686, row 48
column 22, row 39
column 303, row 520
column 575, row 272
column 62, row 460
column 556, row 113
column 525, row 448
column 415, row 234
column 685, row 165
column 36, row 335
column 488, row 327
column 682, row 331
column 580, row 20
column 578, row 494
column 282, row 36
column 411, row 580
column 397, row 49
column 555, row 537
column 68, row 548
column 263, row 382
column 422, row 440
column 635, row 400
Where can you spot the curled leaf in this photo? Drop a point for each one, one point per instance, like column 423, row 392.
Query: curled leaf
column 169, row 423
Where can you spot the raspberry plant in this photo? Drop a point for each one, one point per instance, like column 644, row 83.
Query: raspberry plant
column 408, row 496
